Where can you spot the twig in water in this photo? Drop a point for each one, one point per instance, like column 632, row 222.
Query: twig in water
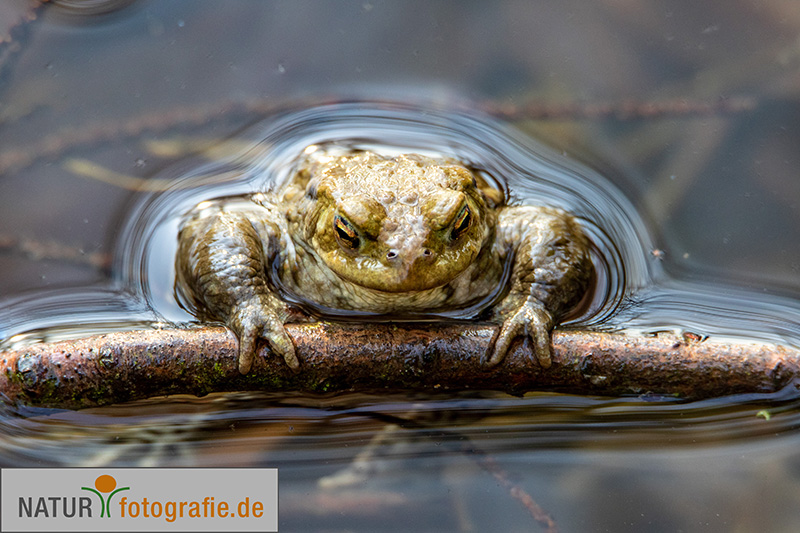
column 130, row 365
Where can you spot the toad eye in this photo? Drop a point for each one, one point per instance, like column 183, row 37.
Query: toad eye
column 462, row 223
column 346, row 234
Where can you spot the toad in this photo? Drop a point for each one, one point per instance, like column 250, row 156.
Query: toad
column 358, row 233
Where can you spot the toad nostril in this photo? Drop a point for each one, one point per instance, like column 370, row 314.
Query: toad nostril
column 427, row 252
column 392, row 254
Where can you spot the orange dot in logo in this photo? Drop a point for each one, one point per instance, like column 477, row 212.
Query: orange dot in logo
column 105, row 483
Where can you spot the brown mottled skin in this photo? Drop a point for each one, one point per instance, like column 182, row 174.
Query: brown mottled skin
column 402, row 236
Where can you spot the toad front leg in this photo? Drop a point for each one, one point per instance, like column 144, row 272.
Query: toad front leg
column 221, row 266
column 551, row 272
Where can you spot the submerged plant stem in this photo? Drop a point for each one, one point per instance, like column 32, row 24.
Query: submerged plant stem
column 12, row 43
column 56, row 145
column 54, row 251
column 131, row 365
column 620, row 110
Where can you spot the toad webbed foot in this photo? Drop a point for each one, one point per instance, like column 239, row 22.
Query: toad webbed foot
column 532, row 320
column 259, row 321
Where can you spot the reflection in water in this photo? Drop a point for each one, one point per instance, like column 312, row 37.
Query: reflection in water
column 262, row 429
column 561, row 448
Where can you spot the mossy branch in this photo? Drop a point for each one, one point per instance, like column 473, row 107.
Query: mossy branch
column 131, row 365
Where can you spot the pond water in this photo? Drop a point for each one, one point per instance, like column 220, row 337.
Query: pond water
column 671, row 133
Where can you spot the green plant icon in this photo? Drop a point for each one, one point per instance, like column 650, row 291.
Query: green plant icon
column 105, row 484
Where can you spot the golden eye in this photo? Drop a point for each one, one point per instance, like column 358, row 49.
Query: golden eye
column 346, row 234
column 462, row 223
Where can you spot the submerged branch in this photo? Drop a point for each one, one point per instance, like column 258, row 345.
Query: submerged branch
column 131, row 365
column 624, row 110
column 58, row 144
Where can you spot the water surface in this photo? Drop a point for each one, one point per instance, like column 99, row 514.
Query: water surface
column 694, row 217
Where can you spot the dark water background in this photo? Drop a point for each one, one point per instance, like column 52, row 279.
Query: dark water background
column 112, row 124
